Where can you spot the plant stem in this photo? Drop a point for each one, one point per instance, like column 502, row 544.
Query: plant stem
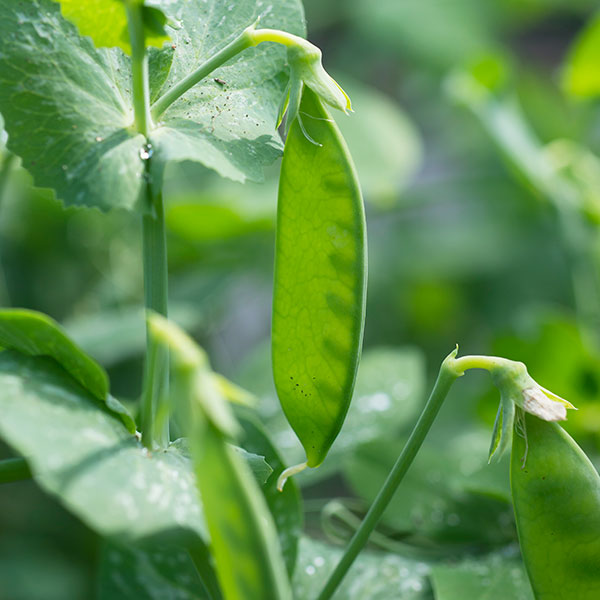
column 156, row 373
column 446, row 377
column 249, row 37
column 154, row 240
column 139, row 67
column 14, row 469
column 240, row 43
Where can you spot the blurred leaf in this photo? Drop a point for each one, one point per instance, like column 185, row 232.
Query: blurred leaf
column 385, row 145
column 56, row 577
column 387, row 394
column 160, row 572
column 202, row 207
column 495, row 577
column 580, row 75
column 430, row 31
column 114, row 335
column 36, row 334
column 82, row 454
column 450, row 494
column 375, row 576
column 105, row 21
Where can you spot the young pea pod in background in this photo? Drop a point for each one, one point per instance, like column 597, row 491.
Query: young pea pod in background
column 320, row 279
column 243, row 538
column 556, row 497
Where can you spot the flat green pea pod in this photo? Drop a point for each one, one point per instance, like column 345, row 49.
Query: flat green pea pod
column 556, row 496
column 320, row 280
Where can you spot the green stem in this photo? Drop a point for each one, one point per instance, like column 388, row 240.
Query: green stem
column 240, row 43
column 248, row 38
column 156, row 375
column 154, row 240
column 446, row 377
column 14, row 469
column 139, row 67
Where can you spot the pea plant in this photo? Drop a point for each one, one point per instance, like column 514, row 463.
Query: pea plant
column 188, row 489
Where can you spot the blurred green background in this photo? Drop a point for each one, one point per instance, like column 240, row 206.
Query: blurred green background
column 476, row 137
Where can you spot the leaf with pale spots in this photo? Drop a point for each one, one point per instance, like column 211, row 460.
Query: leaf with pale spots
column 81, row 453
column 374, row 575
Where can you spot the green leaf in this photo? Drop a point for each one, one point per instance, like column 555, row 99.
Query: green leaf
column 105, row 21
column 376, row 576
column 227, row 127
column 117, row 334
column 166, row 572
column 67, row 108
column 36, row 334
column 80, row 453
column 580, row 75
column 450, row 494
column 320, row 280
column 161, row 573
column 494, row 577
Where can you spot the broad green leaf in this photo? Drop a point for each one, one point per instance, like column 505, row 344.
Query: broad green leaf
column 388, row 392
column 285, row 506
column 494, row 577
column 580, row 75
column 36, row 334
column 82, row 454
column 385, row 144
column 168, row 572
column 373, row 576
column 320, row 280
column 68, row 109
column 105, row 21
column 556, row 497
column 158, row 572
column 228, row 127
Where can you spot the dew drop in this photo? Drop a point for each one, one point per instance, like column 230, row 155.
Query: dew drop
column 146, row 151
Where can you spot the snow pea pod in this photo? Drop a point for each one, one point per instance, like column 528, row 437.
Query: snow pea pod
column 556, row 497
column 320, row 279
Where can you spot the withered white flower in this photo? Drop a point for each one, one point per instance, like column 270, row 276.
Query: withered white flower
column 518, row 389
